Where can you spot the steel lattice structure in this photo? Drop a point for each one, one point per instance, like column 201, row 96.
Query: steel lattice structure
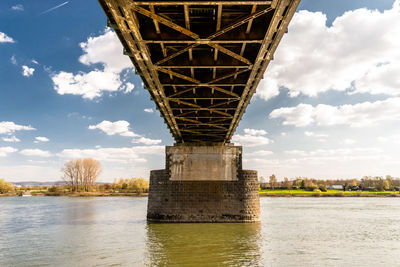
column 201, row 61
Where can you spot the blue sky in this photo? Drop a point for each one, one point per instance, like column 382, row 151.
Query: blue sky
column 328, row 107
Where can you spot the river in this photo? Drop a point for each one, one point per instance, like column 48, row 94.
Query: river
column 112, row 231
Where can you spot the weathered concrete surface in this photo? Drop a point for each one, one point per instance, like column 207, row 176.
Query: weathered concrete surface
column 217, row 199
column 203, row 163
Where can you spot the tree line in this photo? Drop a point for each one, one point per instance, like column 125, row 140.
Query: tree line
column 367, row 183
column 6, row 186
column 80, row 175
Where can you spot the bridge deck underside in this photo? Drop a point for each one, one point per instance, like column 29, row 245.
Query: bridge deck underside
column 200, row 60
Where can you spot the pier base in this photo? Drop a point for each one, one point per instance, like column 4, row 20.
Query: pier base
column 203, row 184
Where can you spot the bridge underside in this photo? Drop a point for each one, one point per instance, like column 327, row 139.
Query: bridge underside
column 200, row 60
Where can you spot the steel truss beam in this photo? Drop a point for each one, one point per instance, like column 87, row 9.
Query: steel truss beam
column 202, row 94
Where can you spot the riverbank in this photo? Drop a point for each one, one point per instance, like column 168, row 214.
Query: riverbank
column 263, row 193
column 328, row 193
column 76, row 194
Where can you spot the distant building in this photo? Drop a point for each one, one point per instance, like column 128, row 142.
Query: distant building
column 335, row 187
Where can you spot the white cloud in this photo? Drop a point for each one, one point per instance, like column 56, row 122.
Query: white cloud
column 18, row 7
column 13, row 60
column 312, row 134
column 9, row 127
column 36, row 153
column 41, row 139
column 391, row 139
column 4, row 151
column 122, row 128
column 338, row 154
column 336, row 151
column 319, row 137
column 267, row 88
column 283, row 133
column 357, row 115
column 146, row 141
column 254, row 132
column 349, row 141
column 129, row 87
column 309, row 133
column 259, row 153
column 27, row 71
column 4, row 38
column 149, row 110
column 298, row 116
column 121, row 155
column 105, row 50
column 11, row 139
column 251, row 140
column 314, row 58
column 88, row 85
column 114, row 128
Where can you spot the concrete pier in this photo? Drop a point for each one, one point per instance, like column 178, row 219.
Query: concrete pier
column 203, row 184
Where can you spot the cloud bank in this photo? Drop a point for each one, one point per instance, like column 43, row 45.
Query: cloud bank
column 358, row 115
column 358, row 53
column 104, row 53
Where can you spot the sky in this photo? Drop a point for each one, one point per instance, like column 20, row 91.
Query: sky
column 328, row 106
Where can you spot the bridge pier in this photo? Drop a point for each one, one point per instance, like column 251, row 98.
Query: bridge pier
column 203, row 184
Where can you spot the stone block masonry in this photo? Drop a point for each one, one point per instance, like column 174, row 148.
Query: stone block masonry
column 203, row 163
column 195, row 200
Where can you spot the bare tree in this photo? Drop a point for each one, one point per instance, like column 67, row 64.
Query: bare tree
column 273, row 182
column 91, row 171
column 69, row 175
column 287, row 184
column 81, row 174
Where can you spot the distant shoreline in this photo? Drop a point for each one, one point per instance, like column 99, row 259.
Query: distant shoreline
column 76, row 194
column 261, row 194
column 329, row 193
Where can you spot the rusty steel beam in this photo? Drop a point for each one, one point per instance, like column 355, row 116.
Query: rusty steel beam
column 214, row 35
column 201, row 123
column 204, row 84
column 184, row 77
column 204, row 98
column 199, row 107
column 203, row 67
column 164, row 21
column 204, row 3
column 203, row 41
column 214, row 108
column 203, row 94
column 230, row 53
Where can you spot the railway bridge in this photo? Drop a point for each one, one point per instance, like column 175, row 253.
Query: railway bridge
column 201, row 62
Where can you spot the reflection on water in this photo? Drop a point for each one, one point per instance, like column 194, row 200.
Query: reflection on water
column 203, row 244
column 112, row 231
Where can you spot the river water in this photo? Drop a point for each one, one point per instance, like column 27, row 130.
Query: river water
column 112, row 231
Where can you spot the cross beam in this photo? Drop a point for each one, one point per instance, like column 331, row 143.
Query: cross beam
column 200, row 60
